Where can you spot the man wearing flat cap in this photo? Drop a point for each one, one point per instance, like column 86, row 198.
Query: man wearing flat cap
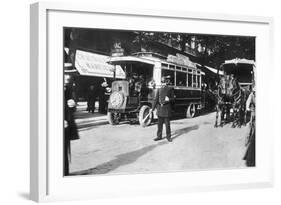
column 163, row 100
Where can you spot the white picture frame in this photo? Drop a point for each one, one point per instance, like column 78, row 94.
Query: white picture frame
column 46, row 179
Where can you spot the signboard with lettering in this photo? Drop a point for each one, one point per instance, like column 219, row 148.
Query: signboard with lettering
column 117, row 50
column 93, row 64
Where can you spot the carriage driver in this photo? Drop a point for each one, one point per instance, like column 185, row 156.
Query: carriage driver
column 163, row 99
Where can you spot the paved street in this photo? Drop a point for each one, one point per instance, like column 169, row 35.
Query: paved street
column 129, row 148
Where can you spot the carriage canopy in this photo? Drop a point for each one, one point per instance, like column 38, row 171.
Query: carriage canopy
column 242, row 69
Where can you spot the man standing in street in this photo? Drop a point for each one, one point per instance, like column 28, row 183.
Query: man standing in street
column 163, row 100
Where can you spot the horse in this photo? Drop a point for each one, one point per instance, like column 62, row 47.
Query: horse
column 239, row 107
column 228, row 96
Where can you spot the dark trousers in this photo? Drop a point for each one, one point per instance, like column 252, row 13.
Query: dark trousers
column 91, row 105
column 66, row 151
column 161, row 121
column 102, row 105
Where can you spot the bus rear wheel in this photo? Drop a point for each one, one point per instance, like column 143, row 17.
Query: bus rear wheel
column 144, row 119
column 191, row 111
column 113, row 118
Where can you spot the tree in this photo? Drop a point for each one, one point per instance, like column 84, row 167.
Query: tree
column 175, row 40
column 217, row 49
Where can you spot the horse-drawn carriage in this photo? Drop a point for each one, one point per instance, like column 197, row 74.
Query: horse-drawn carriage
column 234, row 88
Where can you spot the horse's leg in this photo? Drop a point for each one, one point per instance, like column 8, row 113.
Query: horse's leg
column 238, row 117
column 234, row 117
column 244, row 113
column 227, row 114
column 241, row 116
column 222, row 115
column 217, row 113
column 245, row 117
column 241, row 112
column 218, row 116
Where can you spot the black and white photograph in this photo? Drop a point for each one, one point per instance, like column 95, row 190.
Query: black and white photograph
column 140, row 102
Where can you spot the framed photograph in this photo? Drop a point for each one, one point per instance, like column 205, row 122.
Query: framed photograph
column 133, row 102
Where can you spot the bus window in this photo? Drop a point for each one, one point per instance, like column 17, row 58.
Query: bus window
column 194, row 83
column 164, row 65
column 171, row 74
column 198, row 81
column 189, row 80
column 180, row 79
column 172, row 67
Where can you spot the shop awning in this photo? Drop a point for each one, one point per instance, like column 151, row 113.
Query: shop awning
column 93, row 64
column 214, row 70
column 209, row 69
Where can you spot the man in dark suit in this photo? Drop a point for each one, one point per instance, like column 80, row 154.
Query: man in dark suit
column 70, row 128
column 163, row 100
column 92, row 95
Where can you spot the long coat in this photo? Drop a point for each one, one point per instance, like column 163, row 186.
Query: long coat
column 71, row 132
column 164, row 108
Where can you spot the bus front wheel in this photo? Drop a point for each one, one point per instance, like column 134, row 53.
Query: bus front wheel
column 145, row 117
column 113, row 118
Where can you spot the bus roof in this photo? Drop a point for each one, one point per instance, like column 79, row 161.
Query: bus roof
column 147, row 58
column 129, row 59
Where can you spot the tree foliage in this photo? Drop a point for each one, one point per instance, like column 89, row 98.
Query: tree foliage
column 217, row 49
column 211, row 50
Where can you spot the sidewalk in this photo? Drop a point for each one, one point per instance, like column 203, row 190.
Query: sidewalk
column 84, row 119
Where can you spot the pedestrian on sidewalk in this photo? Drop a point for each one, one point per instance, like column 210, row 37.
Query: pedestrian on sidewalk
column 92, row 98
column 102, row 97
column 250, row 155
column 163, row 101
column 70, row 128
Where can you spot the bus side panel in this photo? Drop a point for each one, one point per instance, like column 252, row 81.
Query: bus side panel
column 184, row 97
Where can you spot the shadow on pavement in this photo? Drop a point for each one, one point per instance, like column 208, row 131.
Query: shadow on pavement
column 90, row 125
column 179, row 132
column 120, row 160
column 130, row 157
column 85, row 115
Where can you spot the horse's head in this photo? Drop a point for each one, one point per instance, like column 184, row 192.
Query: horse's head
column 234, row 85
column 228, row 86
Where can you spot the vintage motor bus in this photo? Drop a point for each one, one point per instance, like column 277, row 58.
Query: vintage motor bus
column 132, row 98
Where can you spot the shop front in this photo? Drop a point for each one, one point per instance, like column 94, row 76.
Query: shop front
column 94, row 72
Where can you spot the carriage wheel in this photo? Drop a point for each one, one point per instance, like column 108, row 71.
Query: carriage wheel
column 113, row 118
column 191, row 111
column 143, row 118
